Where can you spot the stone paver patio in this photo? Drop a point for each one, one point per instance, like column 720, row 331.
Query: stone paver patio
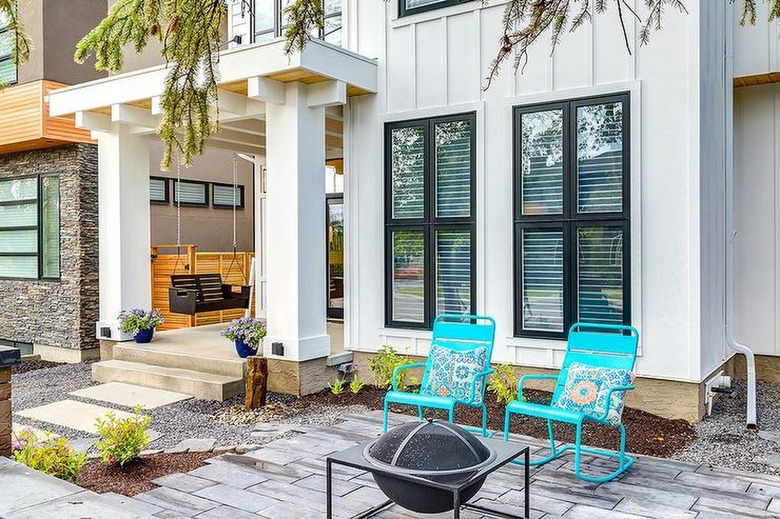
column 286, row 480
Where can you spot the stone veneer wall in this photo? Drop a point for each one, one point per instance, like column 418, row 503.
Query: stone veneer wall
column 59, row 314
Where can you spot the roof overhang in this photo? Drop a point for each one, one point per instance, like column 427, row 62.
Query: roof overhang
column 239, row 67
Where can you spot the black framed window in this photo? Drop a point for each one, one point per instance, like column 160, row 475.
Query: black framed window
column 7, row 65
column 572, row 215
column 409, row 7
column 159, row 192
column 190, row 192
column 225, row 195
column 430, row 239
column 269, row 20
column 30, row 227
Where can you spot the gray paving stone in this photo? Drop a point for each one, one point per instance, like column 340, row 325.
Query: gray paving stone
column 83, row 444
column 229, row 474
column 589, row 512
column 193, row 445
column 184, row 482
column 76, row 506
column 21, row 487
column 287, row 511
column 180, row 502
column 128, row 503
column 318, row 482
column 226, row 512
column 654, row 509
column 237, row 498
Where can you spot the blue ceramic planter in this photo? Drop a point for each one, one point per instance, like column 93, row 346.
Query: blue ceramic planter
column 144, row 336
column 243, row 349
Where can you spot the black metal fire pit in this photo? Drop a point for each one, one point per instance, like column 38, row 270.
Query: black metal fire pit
column 435, row 450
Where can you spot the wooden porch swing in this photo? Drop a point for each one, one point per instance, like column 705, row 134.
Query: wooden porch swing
column 192, row 294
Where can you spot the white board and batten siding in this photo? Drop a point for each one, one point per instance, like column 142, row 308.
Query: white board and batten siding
column 434, row 64
column 756, row 47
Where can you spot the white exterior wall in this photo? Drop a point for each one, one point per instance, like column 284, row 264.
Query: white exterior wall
column 756, row 47
column 757, row 219
column 433, row 64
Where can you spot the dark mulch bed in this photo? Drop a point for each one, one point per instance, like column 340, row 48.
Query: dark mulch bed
column 648, row 434
column 136, row 478
column 33, row 365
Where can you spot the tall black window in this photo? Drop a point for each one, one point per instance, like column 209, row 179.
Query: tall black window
column 571, row 215
column 7, row 65
column 409, row 7
column 270, row 21
column 30, row 227
column 430, row 219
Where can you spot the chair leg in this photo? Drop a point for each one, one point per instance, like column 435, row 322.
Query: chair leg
column 624, row 461
column 551, row 436
column 507, row 415
column 451, row 415
column 384, row 418
column 420, row 413
column 484, row 421
column 577, row 449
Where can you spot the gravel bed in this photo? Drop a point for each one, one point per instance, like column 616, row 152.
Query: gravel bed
column 176, row 422
column 724, row 440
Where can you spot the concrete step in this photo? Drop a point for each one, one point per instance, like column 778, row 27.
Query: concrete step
column 205, row 386
column 336, row 359
column 149, row 354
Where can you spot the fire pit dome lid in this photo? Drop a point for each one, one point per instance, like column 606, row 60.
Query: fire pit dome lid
column 431, row 447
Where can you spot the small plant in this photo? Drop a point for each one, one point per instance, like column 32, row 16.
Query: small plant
column 503, row 384
column 337, row 386
column 355, row 385
column 384, row 363
column 135, row 320
column 122, row 439
column 52, row 456
column 246, row 329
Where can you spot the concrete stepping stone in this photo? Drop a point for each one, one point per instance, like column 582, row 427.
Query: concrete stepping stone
column 17, row 428
column 131, row 395
column 76, row 415
column 193, row 445
column 83, row 444
column 77, row 506
column 22, row 487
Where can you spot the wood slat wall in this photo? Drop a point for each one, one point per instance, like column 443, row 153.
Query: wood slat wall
column 25, row 123
column 164, row 265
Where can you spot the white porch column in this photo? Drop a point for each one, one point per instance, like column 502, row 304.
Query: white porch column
column 295, row 226
column 124, row 223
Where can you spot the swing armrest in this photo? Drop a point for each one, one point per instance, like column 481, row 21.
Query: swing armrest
column 183, row 293
column 228, row 293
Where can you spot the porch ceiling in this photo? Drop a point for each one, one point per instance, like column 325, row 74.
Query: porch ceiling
column 250, row 76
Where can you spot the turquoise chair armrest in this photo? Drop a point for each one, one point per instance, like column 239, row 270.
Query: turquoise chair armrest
column 603, row 418
column 483, row 374
column 532, row 377
column 399, row 369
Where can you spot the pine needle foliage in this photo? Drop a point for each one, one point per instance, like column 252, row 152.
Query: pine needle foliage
column 188, row 31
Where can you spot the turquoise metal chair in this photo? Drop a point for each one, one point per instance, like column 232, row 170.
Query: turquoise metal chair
column 458, row 333
column 597, row 345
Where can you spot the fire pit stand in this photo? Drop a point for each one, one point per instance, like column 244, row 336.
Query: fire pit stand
column 504, row 453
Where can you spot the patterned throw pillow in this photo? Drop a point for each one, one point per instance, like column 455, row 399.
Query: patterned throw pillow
column 451, row 372
column 587, row 387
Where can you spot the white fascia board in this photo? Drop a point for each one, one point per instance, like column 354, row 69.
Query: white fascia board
column 133, row 115
column 336, row 63
column 327, row 93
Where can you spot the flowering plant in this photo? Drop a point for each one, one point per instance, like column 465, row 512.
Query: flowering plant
column 132, row 321
column 246, row 329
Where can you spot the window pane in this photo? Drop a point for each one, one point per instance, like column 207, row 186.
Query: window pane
column 453, row 272
column 19, row 189
column 18, row 267
column 157, row 189
column 600, row 274
column 408, row 276
column 333, row 31
column 7, row 72
column 600, row 158
column 190, row 193
column 413, row 4
column 332, row 7
column 542, row 162
column 542, row 274
column 19, row 241
column 407, row 151
column 453, row 169
column 50, row 226
column 264, row 15
column 23, row 215
column 226, row 195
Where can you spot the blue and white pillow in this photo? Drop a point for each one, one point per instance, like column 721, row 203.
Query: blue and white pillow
column 452, row 373
column 586, row 391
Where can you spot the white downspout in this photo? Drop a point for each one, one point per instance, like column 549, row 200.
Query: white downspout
column 731, row 232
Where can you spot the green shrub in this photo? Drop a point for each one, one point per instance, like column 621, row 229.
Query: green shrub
column 355, row 385
column 122, row 439
column 337, row 386
column 384, row 363
column 52, row 456
column 503, row 384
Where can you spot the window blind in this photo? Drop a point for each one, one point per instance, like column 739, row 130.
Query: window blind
column 226, row 195
column 158, row 190
column 600, row 274
column 453, row 272
column 453, row 169
column 542, row 162
column 190, row 193
column 408, row 276
column 542, row 272
column 408, row 172
column 600, row 158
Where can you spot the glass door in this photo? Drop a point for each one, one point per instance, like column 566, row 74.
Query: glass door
column 335, row 244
